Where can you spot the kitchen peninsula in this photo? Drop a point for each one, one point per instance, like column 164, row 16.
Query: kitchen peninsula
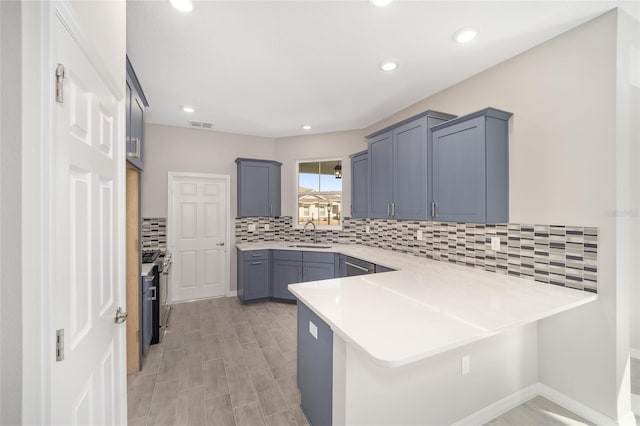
column 416, row 345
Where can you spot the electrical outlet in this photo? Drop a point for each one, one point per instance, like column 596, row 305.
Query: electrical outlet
column 251, row 227
column 367, row 229
column 495, row 243
column 266, row 226
column 465, row 365
column 419, row 235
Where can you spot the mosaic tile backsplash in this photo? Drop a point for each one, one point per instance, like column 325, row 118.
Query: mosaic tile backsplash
column 154, row 233
column 560, row 255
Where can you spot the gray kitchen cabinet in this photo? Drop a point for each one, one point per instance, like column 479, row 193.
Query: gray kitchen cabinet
column 359, row 184
column 399, row 177
column 315, row 367
column 135, row 104
column 317, row 266
column 258, row 187
column 254, row 276
column 286, row 268
column 341, row 266
column 471, row 168
column 380, row 171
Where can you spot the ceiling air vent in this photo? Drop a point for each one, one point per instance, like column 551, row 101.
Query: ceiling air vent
column 201, row 124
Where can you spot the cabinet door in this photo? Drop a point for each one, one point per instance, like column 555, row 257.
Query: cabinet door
column 341, row 272
column 285, row 272
column 256, row 279
column 315, row 367
column 380, row 176
column 315, row 271
column 410, row 171
column 135, row 153
column 359, row 185
column 254, row 196
column 459, row 174
column 274, row 190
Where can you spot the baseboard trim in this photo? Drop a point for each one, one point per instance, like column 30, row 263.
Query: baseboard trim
column 499, row 407
column 578, row 408
column 509, row 402
column 635, row 353
column 233, row 293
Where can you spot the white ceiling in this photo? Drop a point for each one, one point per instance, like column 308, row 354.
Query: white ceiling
column 267, row 67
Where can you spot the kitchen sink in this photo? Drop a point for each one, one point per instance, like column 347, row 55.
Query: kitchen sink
column 309, row 246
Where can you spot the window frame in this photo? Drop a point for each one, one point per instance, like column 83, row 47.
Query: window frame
column 297, row 193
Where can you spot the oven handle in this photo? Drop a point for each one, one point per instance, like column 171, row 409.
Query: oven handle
column 353, row 265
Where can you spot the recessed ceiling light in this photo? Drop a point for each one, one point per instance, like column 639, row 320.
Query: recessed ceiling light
column 381, row 3
column 389, row 65
column 182, row 5
column 306, row 127
column 465, row 35
column 188, row 108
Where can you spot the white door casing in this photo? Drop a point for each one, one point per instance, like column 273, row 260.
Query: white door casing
column 198, row 235
column 89, row 385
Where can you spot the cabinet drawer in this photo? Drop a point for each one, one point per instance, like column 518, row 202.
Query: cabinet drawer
column 293, row 255
column 314, row 256
column 255, row 255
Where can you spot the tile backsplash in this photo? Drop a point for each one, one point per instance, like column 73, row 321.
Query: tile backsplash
column 560, row 255
column 154, row 233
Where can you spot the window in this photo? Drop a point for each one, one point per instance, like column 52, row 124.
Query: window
column 320, row 192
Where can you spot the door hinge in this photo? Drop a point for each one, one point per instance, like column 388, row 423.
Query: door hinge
column 59, row 80
column 60, row 344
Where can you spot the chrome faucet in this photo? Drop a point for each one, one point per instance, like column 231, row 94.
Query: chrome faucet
column 315, row 237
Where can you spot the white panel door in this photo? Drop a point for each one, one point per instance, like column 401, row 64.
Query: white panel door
column 87, row 386
column 199, row 237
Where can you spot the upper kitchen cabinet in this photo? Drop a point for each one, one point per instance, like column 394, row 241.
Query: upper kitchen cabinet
column 359, row 184
column 399, row 158
column 471, row 168
column 258, row 187
column 136, row 102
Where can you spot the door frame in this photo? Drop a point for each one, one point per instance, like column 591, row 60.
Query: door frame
column 171, row 176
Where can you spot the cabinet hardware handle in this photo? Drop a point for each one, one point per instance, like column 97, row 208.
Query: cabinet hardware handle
column 149, row 279
column 433, row 208
column 270, row 209
column 388, row 209
column 256, row 255
column 256, row 263
column 154, row 297
column 135, row 153
column 393, row 209
column 353, row 265
column 220, row 244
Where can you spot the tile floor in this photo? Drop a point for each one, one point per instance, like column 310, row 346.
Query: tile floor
column 221, row 363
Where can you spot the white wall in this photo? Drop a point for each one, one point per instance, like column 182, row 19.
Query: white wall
column 327, row 145
column 562, row 171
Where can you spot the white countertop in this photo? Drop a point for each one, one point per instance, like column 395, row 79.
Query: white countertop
column 426, row 307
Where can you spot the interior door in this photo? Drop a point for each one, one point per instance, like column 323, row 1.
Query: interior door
column 198, row 225
column 89, row 383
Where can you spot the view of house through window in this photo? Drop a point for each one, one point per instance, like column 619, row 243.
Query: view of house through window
column 320, row 192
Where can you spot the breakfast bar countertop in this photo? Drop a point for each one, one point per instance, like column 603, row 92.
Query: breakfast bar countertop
column 425, row 307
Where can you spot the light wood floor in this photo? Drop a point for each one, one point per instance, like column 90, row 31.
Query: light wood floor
column 225, row 364
column 221, row 364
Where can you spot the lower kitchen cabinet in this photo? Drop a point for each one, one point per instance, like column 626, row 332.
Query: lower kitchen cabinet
column 315, row 367
column 316, row 271
column 285, row 272
column 253, row 274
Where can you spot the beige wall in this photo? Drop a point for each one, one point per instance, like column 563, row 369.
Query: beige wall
column 176, row 149
column 562, row 171
column 333, row 145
